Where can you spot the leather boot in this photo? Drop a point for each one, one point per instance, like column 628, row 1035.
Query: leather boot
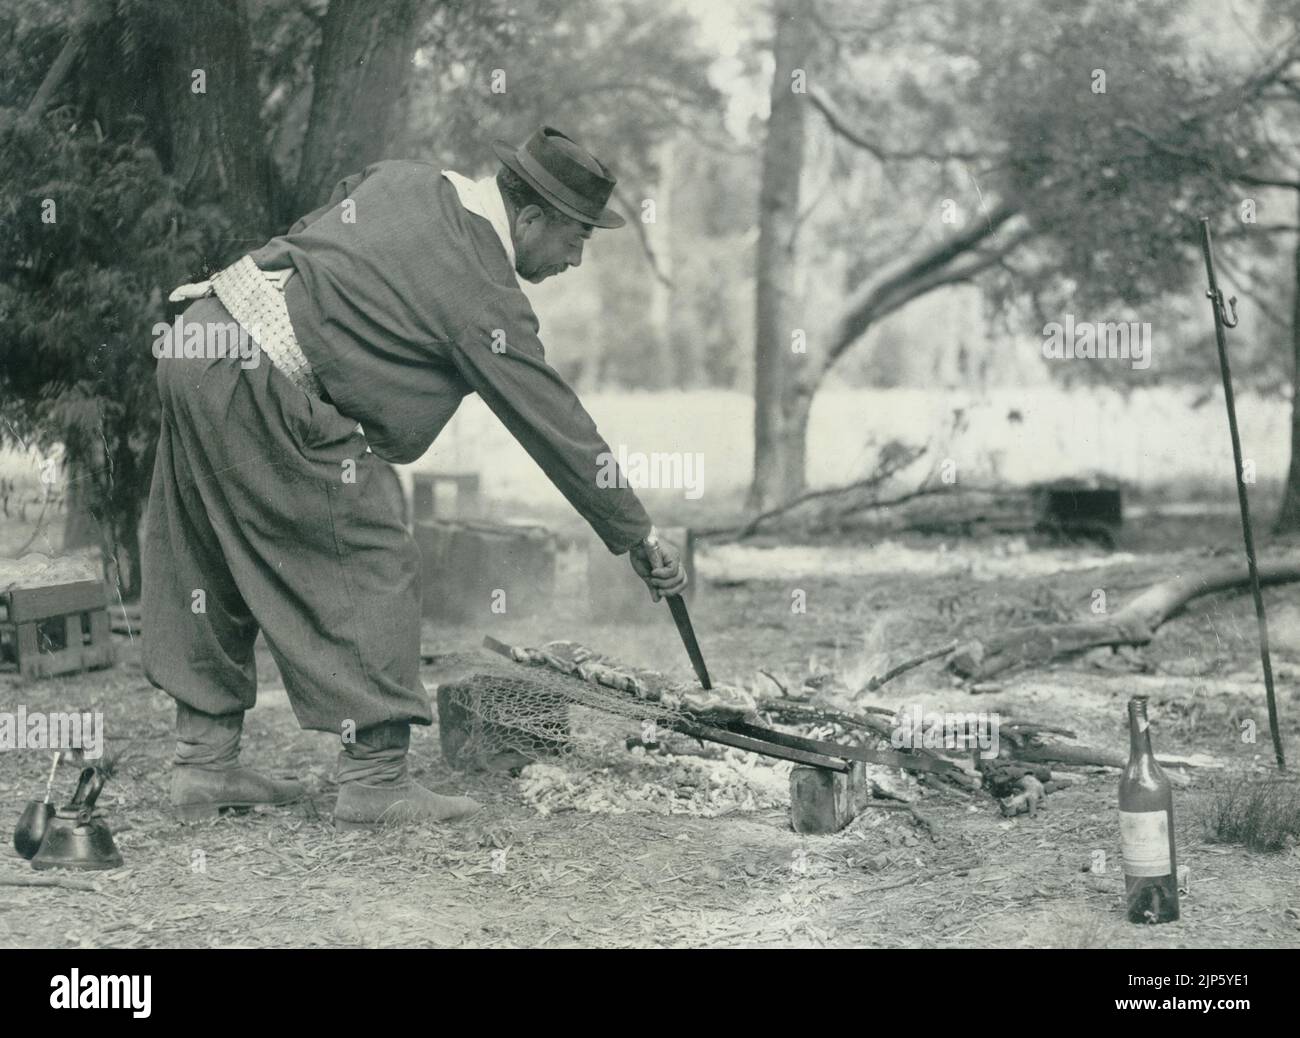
column 208, row 779
column 375, row 788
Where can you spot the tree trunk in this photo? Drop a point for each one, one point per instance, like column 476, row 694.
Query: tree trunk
column 1288, row 519
column 796, row 403
column 216, row 144
column 358, row 97
column 775, row 315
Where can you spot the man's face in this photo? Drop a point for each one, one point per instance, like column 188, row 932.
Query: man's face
column 546, row 246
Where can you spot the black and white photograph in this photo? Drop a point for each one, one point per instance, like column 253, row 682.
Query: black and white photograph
column 652, row 474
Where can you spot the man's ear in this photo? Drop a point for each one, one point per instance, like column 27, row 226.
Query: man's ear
column 527, row 216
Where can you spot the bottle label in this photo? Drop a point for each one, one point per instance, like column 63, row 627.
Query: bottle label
column 1144, row 843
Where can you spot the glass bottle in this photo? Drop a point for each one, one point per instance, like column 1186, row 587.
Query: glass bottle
column 1146, row 827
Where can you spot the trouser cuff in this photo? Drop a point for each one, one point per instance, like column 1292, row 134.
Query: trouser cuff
column 209, row 741
column 378, row 756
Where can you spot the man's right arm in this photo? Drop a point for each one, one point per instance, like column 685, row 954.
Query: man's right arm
column 499, row 354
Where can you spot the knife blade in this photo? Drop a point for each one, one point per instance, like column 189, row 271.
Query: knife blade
column 681, row 616
column 677, row 605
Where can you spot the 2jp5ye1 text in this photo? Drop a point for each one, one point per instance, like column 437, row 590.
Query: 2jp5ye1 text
column 1199, row 980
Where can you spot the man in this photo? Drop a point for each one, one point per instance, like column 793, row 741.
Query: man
column 378, row 312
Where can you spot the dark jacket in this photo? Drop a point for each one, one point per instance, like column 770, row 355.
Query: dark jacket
column 414, row 304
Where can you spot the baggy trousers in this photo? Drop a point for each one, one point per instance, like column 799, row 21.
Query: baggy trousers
column 267, row 513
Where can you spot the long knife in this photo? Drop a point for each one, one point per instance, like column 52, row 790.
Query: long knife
column 682, row 618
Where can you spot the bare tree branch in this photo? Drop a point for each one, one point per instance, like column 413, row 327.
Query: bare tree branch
column 866, row 303
column 952, row 276
column 838, row 122
column 634, row 218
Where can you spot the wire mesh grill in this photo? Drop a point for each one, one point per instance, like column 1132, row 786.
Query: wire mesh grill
column 501, row 714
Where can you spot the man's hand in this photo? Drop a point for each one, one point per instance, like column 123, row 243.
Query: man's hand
column 659, row 564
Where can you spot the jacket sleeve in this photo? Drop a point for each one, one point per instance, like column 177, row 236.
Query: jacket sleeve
column 500, row 356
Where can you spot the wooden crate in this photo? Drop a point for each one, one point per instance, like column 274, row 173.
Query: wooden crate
column 56, row 629
column 445, row 495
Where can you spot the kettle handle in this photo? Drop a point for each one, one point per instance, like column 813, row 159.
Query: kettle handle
column 88, row 789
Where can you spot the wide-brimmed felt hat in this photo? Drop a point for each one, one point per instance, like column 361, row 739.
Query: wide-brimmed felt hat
column 565, row 174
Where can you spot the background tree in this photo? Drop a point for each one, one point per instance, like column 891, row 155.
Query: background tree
column 360, row 80
column 1031, row 126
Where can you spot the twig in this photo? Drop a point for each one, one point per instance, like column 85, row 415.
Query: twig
column 802, row 713
column 46, row 881
column 896, row 803
column 907, row 665
column 910, row 879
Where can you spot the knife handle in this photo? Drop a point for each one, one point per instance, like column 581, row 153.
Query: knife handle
column 655, row 552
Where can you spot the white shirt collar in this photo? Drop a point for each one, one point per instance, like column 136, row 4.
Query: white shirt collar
column 483, row 198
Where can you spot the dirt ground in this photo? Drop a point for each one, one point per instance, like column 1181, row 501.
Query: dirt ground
column 514, row 877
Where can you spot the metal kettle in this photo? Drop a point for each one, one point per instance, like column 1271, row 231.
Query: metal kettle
column 77, row 838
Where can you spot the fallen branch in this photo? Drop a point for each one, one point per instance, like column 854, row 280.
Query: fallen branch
column 1135, row 624
column 896, row 463
column 1058, row 753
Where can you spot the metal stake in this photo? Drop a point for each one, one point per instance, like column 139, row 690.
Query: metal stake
column 1222, row 321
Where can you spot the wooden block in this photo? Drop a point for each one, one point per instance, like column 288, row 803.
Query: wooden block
column 471, row 742
column 477, row 572
column 824, row 801
column 616, row 593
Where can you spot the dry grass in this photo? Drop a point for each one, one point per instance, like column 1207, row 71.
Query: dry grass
column 1261, row 814
column 1081, row 928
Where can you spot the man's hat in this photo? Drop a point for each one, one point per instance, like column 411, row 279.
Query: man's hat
column 566, row 175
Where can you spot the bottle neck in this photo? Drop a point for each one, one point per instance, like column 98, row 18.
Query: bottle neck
column 1139, row 730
